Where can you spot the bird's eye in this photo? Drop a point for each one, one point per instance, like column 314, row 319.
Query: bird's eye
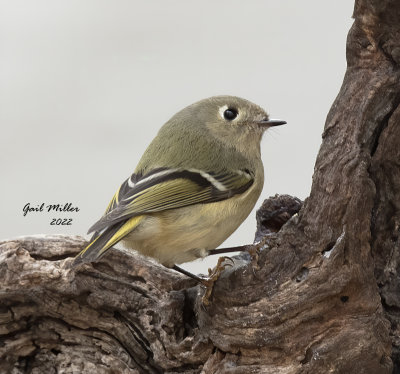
column 230, row 114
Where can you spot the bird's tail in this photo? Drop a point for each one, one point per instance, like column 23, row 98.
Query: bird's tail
column 105, row 239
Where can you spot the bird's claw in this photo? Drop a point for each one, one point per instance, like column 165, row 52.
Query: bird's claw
column 254, row 252
column 213, row 275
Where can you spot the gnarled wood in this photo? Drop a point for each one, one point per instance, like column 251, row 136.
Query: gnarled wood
column 321, row 294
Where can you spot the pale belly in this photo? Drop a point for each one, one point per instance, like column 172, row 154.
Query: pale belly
column 185, row 234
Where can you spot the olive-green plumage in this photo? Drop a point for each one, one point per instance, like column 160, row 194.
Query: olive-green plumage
column 194, row 138
column 194, row 185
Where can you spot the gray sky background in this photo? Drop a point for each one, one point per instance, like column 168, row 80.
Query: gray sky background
column 85, row 86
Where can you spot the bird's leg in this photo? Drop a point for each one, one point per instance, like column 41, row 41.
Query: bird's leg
column 240, row 248
column 188, row 274
column 252, row 249
column 208, row 282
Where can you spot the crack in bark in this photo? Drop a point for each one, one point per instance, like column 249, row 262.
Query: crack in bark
column 136, row 333
column 383, row 125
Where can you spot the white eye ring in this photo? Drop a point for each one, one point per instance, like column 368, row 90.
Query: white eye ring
column 222, row 110
column 223, row 114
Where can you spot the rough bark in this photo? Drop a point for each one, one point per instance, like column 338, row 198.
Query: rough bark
column 321, row 294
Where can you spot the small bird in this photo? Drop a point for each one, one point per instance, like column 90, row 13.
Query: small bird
column 195, row 184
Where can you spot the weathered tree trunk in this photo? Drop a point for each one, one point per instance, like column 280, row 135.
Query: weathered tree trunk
column 322, row 295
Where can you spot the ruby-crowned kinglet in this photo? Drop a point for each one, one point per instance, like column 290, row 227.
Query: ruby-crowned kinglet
column 195, row 184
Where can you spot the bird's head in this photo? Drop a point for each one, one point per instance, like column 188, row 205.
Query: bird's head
column 231, row 119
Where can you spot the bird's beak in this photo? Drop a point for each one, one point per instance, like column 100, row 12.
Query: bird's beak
column 271, row 122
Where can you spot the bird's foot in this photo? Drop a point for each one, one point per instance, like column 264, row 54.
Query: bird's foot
column 254, row 252
column 213, row 275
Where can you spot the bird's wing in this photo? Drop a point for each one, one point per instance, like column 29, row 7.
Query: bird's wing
column 159, row 190
column 164, row 189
